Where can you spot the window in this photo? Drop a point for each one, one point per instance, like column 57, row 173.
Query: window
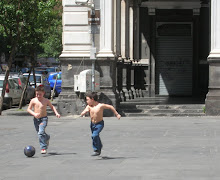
column 58, row 76
column 31, row 79
column 1, row 83
column 11, row 84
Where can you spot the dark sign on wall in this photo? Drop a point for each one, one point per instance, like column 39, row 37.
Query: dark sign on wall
column 94, row 17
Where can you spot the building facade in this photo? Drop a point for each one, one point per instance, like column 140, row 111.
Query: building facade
column 141, row 48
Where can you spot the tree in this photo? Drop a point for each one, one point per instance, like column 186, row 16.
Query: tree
column 24, row 24
column 41, row 21
column 52, row 45
column 11, row 21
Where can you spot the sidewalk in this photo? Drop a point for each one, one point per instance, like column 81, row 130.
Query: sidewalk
column 15, row 111
column 142, row 148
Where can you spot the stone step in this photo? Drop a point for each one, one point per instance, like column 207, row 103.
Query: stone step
column 165, row 100
column 185, row 106
column 173, row 111
column 164, row 111
column 162, row 106
column 163, row 114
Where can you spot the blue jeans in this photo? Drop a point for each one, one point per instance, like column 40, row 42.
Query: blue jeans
column 96, row 129
column 40, row 126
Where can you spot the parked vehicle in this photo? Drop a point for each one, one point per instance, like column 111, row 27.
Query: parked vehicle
column 25, row 69
column 52, row 79
column 53, row 69
column 21, row 81
column 13, row 92
column 41, row 71
column 47, row 69
column 40, row 80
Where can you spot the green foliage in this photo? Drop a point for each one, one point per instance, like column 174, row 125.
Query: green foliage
column 11, row 18
column 30, row 25
column 52, row 46
column 39, row 25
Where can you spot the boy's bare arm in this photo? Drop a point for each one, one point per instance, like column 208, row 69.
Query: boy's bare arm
column 54, row 109
column 107, row 106
column 85, row 111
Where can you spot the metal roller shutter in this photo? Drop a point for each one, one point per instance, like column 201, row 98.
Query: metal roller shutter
column 174, row 65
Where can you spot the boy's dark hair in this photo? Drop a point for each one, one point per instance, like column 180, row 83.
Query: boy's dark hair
column 92, row 95
column 39, row 88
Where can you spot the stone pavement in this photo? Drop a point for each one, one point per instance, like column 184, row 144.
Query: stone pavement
column 137, row 148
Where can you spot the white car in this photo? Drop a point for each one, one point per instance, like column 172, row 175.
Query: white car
column 40, row 80
column 13, row 92
column 21, row 81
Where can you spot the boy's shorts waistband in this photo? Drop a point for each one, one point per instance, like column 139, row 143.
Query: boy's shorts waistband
column 42, row 118
column 97, row 122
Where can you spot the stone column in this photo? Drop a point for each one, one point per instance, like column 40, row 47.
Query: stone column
column 123, row 29
column 76, row 48
column 106, row 60
column 213, row 96
column 131, row 31
column 130, row 28
column 106, row 29
column 117, row 44
column 117, row 28
column 136, row 28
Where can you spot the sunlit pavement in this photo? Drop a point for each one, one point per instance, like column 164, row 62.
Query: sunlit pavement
column 148, row 148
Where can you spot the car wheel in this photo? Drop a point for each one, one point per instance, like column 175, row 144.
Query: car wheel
column 50, row 95
column 10, row 104
column 56, row 93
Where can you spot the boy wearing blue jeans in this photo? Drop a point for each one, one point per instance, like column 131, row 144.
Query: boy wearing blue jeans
column 96, row 114
column 39, row 103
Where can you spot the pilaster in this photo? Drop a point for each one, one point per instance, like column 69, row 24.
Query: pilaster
column 75, row 36
column 213, row 96
column 131, row 31
column 117, row 28
column 123, row 29
column 106, row 29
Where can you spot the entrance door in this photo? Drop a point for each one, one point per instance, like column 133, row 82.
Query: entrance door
column 174, row 47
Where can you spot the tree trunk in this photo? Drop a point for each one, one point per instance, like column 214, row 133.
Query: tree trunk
column 34, row 60
column 54, row 88
column 24, row 90
column 6, row 77
column 32, row 69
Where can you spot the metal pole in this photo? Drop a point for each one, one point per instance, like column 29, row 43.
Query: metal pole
column 93, row 75
column 93, row 50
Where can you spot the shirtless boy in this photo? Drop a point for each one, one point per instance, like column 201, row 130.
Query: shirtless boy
column 39, row 103
column 96, row 114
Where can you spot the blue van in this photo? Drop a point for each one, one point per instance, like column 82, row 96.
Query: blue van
column 52, row 79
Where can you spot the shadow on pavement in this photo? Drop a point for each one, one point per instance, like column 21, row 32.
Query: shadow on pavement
column 57, row 154
column 110, row 158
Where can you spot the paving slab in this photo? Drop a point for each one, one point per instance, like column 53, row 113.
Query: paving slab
column 135, row 148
